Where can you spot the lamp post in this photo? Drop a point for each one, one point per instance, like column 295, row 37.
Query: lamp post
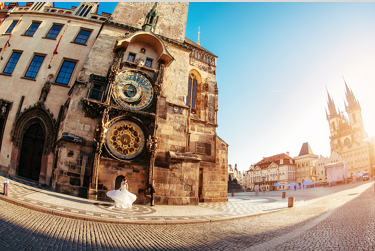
column 263, row 179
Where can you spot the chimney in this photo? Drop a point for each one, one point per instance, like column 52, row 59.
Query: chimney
column 287, row 153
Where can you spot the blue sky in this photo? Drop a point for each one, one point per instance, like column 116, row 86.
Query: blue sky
column 275, row 61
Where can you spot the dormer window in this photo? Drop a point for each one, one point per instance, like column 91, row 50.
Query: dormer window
column 131, row 57
column 148, row 62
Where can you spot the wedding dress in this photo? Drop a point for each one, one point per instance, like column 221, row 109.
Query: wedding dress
column 123, row 198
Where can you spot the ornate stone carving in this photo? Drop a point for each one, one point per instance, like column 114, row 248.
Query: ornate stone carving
column 159, row 81
column 45, row 90
column 5, row 106
column 37, row 113
column 92, row 109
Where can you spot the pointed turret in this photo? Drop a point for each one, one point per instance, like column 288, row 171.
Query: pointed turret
column 331, row 106
column 350, row 98
column 151, row 19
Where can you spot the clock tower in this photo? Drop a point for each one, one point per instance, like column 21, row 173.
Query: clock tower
column 152, row 97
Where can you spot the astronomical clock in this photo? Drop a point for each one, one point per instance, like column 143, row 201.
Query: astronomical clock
column 133, row 90
column 126, row 135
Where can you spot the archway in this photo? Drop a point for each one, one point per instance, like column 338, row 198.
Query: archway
column 31, row 152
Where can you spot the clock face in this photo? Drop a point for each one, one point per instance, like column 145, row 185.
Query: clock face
column 133, row 90
column 125, row 139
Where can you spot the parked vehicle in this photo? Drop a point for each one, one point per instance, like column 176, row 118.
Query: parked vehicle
column 365, row 176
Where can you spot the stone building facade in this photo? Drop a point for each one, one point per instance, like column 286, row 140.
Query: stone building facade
column 44, row 48
column 142, row 106
column 348, row 136
column 322, row 162
column 305, row 161
column 277, row 168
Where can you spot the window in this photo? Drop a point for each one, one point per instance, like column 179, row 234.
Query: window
column 32, row 29
column 192, row 92
column 82, row 37
column 131, row 57
column 54, row 31
column 65, row 72
column 96, row 91
column 83, row 10
column 38, row 5
column 11, row 27
column 148, row 62
column 34, row 66
column 12, row 62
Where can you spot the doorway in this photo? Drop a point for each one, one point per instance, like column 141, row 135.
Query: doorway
column 200, row 189
column 31, row 152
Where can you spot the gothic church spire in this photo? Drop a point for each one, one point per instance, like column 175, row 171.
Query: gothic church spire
column 151, row 19
column 331, row 106
column 352, row 102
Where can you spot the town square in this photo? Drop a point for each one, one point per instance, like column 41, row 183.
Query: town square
column 187, row 126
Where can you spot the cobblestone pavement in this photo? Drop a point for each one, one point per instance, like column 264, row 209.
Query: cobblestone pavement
column 46, row 200
column 340, row 221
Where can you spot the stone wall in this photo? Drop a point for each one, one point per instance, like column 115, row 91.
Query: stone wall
column 171, row 22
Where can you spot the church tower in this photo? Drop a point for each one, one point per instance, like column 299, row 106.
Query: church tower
column 333, row 118
column 353, row 109
column 348, row 135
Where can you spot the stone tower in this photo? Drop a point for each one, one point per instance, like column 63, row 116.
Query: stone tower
column 348, row 136
column 152, row 97
column 353, row 109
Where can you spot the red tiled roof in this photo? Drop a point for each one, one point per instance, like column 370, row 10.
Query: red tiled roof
column 275, row 158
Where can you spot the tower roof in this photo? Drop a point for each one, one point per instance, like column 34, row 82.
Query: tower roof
column 331, row 106
column 350, row 98
column 305, row 149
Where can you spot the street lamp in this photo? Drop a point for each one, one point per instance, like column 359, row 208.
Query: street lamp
column 264, row 179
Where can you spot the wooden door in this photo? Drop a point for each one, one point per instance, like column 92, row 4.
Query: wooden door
column 31, row 152
column 200, row 191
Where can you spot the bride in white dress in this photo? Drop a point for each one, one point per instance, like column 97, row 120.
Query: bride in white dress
column 122, row 197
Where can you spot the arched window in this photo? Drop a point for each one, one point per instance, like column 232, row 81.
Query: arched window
column 347, row 142
column 192, row 92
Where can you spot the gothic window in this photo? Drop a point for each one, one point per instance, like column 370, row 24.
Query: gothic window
column 347, row 142
column 191, row 99
column 83, row 10
column 37, row 6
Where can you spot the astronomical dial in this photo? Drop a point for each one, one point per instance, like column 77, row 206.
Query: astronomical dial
column 125, row 139
column 133, row 90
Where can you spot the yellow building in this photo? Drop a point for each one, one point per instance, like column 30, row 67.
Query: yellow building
column 43, row 50
column 305, row 162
